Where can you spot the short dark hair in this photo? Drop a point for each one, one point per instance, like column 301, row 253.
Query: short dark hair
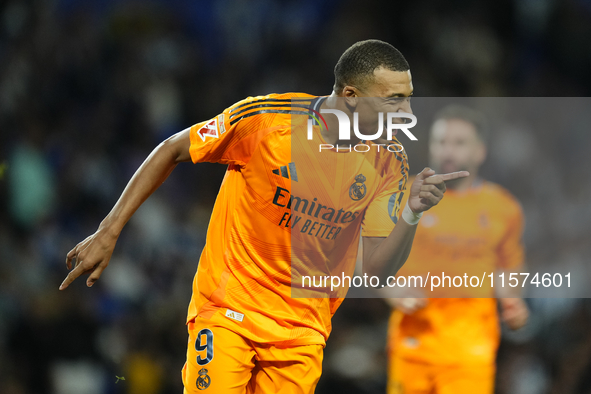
column 467, row 114
column 357, row 64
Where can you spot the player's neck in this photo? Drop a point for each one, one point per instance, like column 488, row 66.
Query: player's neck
column 331, row 134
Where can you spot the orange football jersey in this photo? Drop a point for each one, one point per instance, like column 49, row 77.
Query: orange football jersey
column 476, row 231
column 285, row 210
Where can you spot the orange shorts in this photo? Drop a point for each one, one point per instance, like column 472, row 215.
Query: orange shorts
column 221, row 361
column 407, row 377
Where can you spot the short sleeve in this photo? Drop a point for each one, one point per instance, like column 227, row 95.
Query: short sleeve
column 511, row 251
column 383, row 211
column 225, row 139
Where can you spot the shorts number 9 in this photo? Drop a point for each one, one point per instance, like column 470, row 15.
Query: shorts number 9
column 208, row 345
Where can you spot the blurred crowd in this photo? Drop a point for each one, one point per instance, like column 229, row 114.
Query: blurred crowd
column 89, row 88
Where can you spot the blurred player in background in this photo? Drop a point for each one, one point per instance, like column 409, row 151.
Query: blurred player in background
column 448, row 345
column 246, row 332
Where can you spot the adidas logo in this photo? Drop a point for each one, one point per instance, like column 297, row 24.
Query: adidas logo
column 234, row 315
column 283, row 172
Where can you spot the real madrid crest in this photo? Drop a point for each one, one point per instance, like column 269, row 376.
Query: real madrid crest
column 358, row 189
column 203, row 381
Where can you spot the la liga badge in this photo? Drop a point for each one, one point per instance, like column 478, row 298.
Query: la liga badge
column 210, row 129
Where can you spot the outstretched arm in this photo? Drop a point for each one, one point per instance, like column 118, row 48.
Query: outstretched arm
column 93, row 254
column 384, row 256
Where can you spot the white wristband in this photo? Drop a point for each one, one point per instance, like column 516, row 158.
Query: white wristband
column 409, row 216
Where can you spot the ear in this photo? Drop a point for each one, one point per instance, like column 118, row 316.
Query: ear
column 350, row 95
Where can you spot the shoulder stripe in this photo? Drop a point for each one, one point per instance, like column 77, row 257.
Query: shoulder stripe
column 277, row 106
column 268, row 111
column 271, row 101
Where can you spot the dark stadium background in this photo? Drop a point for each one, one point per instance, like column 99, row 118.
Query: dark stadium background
column 88, row 88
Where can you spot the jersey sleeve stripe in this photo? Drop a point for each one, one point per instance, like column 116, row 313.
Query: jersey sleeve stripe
column 278, row 106
column 309, row 100
column 268, row 111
